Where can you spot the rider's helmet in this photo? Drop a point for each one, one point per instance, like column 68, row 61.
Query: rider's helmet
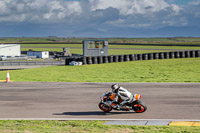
column 114, row 87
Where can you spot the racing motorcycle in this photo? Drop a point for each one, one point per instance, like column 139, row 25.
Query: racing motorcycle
column 106, row 105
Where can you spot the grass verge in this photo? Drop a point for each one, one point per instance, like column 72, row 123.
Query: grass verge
column 110, row 52
column 21, row 126
column 171, row 70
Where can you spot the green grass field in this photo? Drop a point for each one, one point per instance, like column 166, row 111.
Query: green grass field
column 110, row 52
column 86, row 126
column 113, row 49
column 173, row 40
column 53, row 45
column 171, row 70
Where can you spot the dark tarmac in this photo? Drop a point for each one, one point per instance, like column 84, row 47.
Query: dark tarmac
column 46, row 100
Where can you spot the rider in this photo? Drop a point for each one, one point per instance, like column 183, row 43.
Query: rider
column 123, row 93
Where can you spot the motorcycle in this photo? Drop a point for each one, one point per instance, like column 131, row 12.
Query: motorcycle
column 106, row 105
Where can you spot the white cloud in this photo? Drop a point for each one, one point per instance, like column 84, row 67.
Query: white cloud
column 128, row 7
column 3, row 8
column 38, row 10
column 119, row 21
column 195, row 2
column 176, row 9
column 74, row 8
column 95, row 13
column 14, row 18
column 20, row 7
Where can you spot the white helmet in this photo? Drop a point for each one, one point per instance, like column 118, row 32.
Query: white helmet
column 114, row 87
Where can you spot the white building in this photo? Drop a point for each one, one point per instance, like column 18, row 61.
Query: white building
column 10, row 50
column 39, row 54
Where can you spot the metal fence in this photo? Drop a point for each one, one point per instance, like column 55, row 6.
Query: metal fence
column 31, row 63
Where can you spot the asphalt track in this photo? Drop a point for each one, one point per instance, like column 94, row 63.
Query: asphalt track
column 54, row 100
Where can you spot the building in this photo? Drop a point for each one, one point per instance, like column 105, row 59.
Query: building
column 95, row 48
column 10, row 50
column 39, row 54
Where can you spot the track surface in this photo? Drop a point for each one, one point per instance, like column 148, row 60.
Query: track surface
column 80, row 100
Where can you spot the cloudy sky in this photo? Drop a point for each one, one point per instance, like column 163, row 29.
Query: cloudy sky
column 99, row 18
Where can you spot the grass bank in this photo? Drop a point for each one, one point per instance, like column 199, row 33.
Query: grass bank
column 85, row 126
column 171, row 70
column 173, row 40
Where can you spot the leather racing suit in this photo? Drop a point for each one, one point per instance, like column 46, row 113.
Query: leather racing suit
column 124, row 94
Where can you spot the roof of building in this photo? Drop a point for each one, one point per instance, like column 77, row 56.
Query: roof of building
column 8, row 45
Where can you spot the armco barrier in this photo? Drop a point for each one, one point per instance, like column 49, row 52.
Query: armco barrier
column 134, row 57
column 32, row 63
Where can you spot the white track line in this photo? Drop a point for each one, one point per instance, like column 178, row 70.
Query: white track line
column 63, row 119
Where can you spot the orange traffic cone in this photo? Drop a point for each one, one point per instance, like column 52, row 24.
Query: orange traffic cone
column 8, row 77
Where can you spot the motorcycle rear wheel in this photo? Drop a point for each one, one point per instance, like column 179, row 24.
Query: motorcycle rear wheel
column 139, row 107
column 105, row 108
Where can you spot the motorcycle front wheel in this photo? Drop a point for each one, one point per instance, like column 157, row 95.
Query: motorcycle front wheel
column 105, row 108
column 139, row 107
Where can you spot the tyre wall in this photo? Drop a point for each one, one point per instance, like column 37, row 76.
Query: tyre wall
column 133, row 57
